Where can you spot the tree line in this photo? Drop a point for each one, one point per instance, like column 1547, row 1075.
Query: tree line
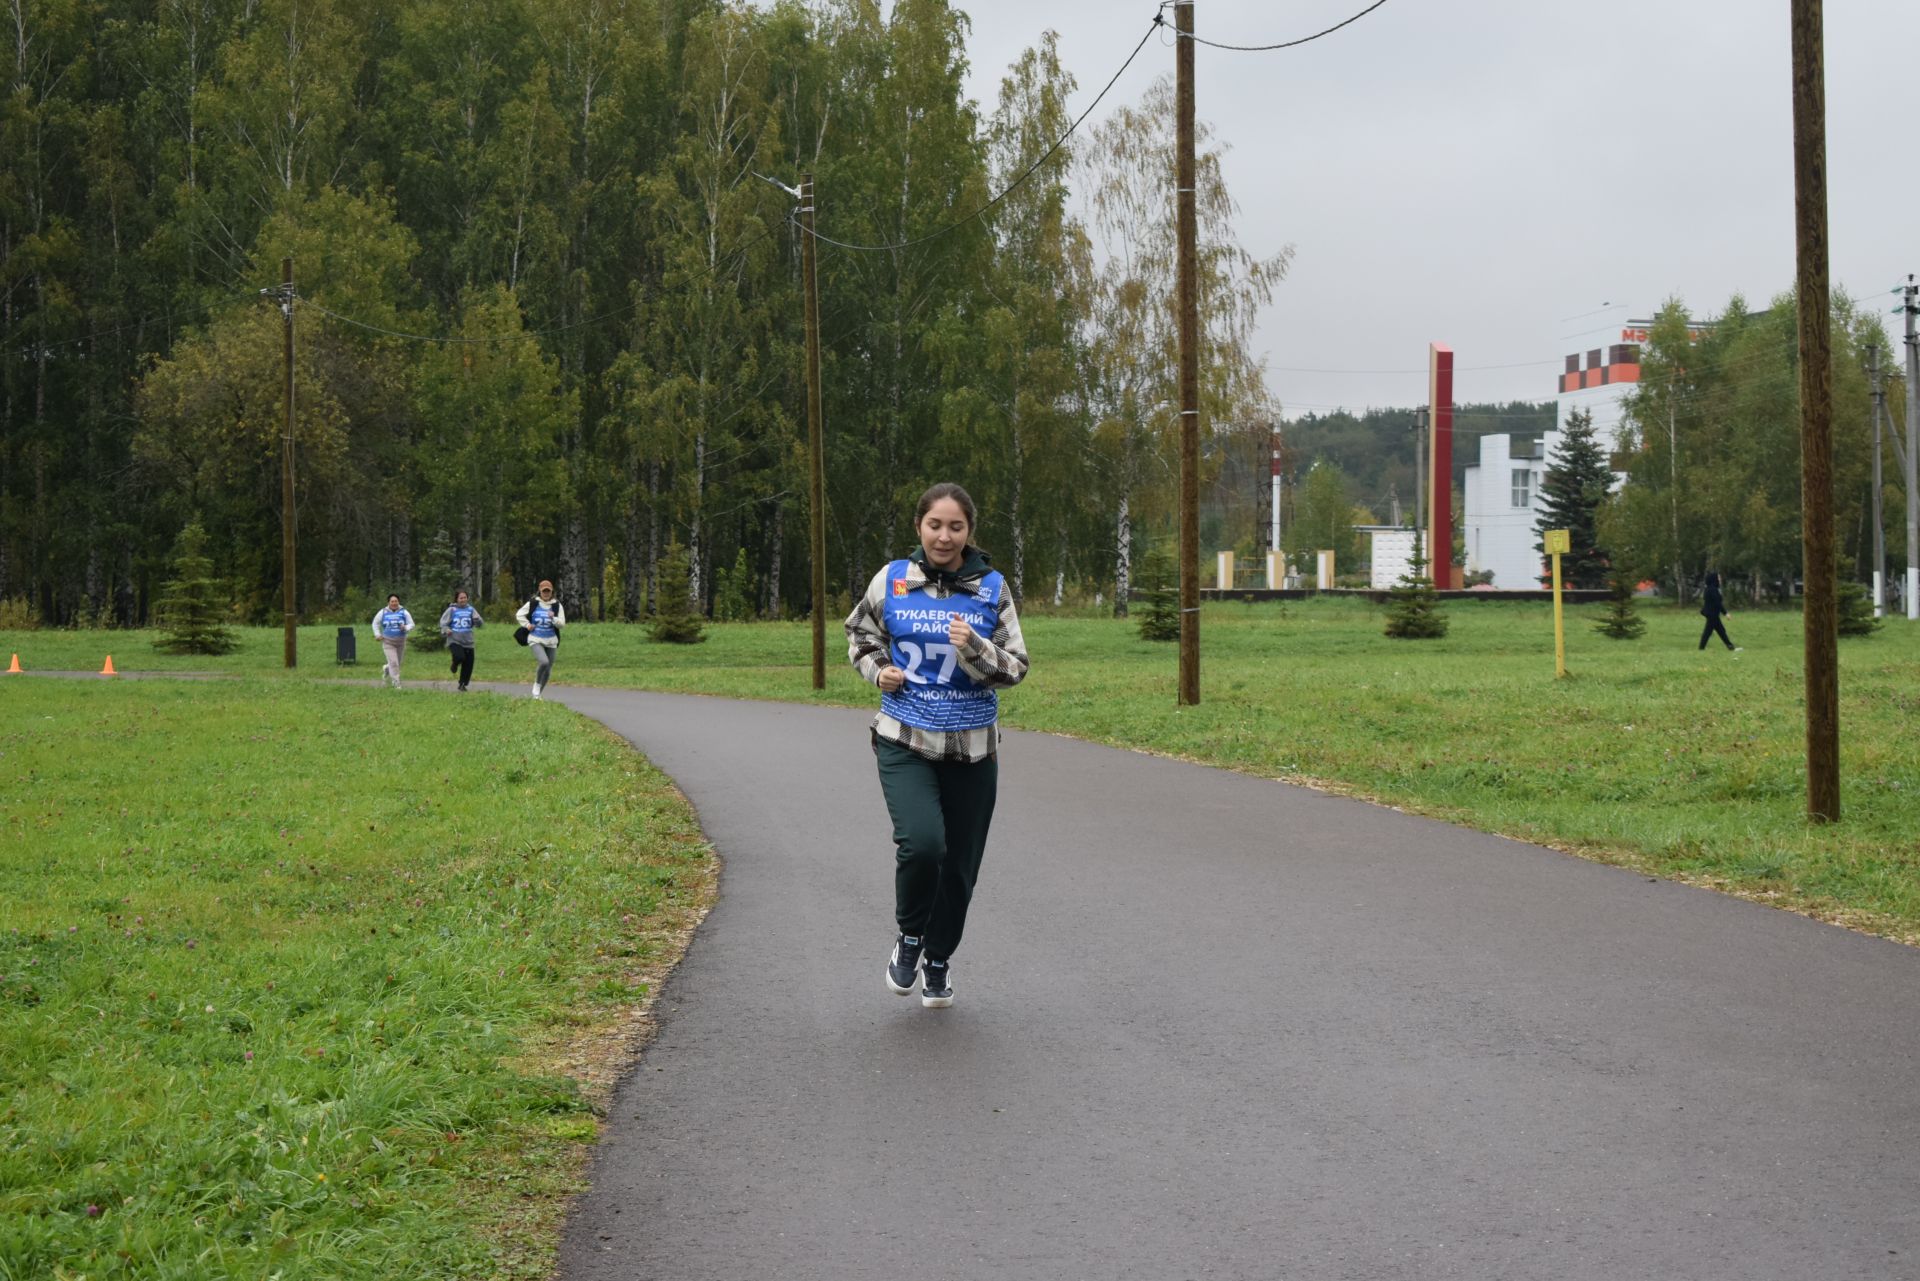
column 548, row 316
column 1711, row 452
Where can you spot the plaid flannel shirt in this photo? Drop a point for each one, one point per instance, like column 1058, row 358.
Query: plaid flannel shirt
column 998, row 663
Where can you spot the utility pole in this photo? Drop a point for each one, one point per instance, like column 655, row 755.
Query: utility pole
column 1420, row 468
column 1673, row 493
column 1877, row 388
column 816, row 449
column 1273, row 516
column 1911, row 448
column 1189, row 316
column 1820, row 608
column 286, row 474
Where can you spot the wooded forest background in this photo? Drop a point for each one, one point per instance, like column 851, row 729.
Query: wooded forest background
column 549, row 319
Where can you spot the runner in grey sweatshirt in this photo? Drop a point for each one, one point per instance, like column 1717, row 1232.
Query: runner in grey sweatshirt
column 457, row 622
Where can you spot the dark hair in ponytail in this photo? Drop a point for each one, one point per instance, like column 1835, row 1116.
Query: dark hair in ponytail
column 946, row 489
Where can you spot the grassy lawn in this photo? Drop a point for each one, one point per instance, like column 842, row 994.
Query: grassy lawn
column 1652, row 753
column 300, row 980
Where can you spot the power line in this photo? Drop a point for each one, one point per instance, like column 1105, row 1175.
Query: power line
column 165, row 317
column 1518, row 364
column 527, row 335
column 1268, row 48
column 1026, row 173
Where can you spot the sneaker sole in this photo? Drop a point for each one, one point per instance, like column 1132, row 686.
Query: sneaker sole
column 936, row 1002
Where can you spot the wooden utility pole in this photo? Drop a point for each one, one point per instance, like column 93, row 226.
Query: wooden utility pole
column 286, row 473
column 1910, row 457
column 816, row 449
column 1821, row 612
column 1188, row 291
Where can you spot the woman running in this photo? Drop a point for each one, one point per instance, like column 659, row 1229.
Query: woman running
column 391, row 625
column 543, row 617
column 938, row 634
column 457, row 622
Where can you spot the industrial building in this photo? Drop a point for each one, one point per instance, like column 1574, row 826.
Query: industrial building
column 1501, row 490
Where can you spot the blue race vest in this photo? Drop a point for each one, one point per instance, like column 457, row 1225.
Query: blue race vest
column 460, row 623
column 938, row 694
column 540, row 621
column 393, row 623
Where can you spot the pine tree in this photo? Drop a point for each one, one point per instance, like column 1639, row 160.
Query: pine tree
column 1161, row 622
column 1571, row 494
column 433, row 591
column 189, row 609
column 675, row 621
column 732, row 601
column 1856, row 608
column 1622, row 621
column 1414, row 612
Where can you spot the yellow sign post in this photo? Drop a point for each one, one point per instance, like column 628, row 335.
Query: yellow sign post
column 1558, row 542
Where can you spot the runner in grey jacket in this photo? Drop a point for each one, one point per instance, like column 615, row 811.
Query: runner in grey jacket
column 457, row 623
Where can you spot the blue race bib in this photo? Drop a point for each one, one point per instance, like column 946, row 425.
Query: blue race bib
column 938, row 694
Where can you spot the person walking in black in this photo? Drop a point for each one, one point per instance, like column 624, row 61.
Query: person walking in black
column 1713, row 607
column 937, row 633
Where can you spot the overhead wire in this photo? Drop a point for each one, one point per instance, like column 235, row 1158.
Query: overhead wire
column 1269, row 48
column 527, row 335
column 164, row 317
column 1012, row 186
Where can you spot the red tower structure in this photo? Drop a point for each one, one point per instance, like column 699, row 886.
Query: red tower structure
column 1439, row 478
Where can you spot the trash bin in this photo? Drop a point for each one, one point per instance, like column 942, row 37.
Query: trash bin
column 343, row 647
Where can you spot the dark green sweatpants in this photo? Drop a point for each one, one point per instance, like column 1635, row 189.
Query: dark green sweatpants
column 941, row 811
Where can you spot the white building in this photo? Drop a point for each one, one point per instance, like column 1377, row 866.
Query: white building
column 1502, row 489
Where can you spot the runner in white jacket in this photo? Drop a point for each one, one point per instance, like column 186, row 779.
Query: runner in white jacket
column 543, row 617
column 391, row 625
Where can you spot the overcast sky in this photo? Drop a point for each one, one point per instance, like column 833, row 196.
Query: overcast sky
column 1491, row 173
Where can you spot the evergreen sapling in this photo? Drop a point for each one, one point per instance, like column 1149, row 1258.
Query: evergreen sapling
column 732, row 594
column 434, row 592
column 1856, row 608
column 1622, row 621
column 674, row 620
column 189, row 609
column 1414, row 613
column 1161, row 622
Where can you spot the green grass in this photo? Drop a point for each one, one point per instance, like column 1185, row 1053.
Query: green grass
column 288, row 968
column 1652, row 753
column 288, row 973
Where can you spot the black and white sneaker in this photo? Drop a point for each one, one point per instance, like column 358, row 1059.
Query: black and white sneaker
column 904, row 966
column 936, row 986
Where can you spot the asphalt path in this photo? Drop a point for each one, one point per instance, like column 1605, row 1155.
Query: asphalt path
column 1212, row 1026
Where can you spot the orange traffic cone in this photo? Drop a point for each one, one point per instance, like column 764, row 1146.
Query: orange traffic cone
column 15, row 669
column 108, row 669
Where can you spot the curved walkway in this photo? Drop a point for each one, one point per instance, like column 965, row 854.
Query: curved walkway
column 1211, row 1026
